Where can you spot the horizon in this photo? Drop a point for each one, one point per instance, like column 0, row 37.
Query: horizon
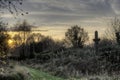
column 59, row 39
column 58, row 33
column 49, row 14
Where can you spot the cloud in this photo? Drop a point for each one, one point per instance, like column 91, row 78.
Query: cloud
column 65, row 13
column 7, row 16
column 70, row 11
column 116, row 6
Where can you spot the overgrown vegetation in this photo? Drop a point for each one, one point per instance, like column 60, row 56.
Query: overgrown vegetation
column 76, row 36
column 73, row 60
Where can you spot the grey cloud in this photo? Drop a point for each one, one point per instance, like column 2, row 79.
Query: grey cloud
column 69, row 11
column 116, row 6
column 99, row 7
column 53, row 19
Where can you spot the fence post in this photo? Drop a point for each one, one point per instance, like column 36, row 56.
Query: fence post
column 96, row 41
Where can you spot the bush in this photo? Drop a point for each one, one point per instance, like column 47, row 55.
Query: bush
column 15, row 76
column 110, row 55
column 73, row 62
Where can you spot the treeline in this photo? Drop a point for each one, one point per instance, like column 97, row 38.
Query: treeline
column 25, row 44
column 69, row 57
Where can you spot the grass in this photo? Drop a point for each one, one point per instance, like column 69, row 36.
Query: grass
column 39, row 75
column 34, row 74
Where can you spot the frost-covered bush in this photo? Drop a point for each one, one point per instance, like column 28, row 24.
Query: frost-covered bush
column 73, row 62
column 110, row 55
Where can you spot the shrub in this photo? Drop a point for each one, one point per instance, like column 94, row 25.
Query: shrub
column 15, row 76
column 73, row 62
column 110, row 55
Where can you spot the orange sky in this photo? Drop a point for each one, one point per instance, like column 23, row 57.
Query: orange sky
column 58, row 32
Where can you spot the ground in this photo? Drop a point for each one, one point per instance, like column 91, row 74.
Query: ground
column 39, row 75
column 34, row 74
column 18, row 71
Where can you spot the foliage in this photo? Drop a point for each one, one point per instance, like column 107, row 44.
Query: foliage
column 115, row 24
column 4, row 37
column 17, row 40
column 3, row 26
column 53, row 57
column 75, row 62
column 34, row 37
column 39, row 43
column 76, row 36
column 39, row 75
column 72, row 62
column 33, row 47
column 24, row 26
column 105, row 42
column 14, row 76
column 110, row 55
column 20, row 39
column 4, row 43
column 46, row 44
column 23, row 30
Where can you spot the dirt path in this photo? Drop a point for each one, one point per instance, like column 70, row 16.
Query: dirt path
column 39, row 75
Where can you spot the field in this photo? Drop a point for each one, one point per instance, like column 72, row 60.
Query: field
column 35, row 74
column 39, row 75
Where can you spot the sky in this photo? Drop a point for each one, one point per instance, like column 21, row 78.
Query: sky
column 58, row 15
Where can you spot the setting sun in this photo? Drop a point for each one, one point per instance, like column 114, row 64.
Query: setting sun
column 10, row 42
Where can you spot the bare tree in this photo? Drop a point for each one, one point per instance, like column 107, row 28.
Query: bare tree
column 3, row 27
column 76, row 36
column 34, row 37
column 23, row 30
column 17, row 40
column 114, row 28
column 4, row 37
column 13, row 6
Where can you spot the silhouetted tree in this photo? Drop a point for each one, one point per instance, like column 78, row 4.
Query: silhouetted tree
column 12, row 6
column 46, row 43
column 32, row 41
column 4, row 37
column 3, row 27
column 23, row 30
column 76, row 36
column 4, row 42
column 110, row 33
column 17, row 40
column 35, row 37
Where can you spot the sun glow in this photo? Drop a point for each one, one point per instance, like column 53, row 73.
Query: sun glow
column 10, row 42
